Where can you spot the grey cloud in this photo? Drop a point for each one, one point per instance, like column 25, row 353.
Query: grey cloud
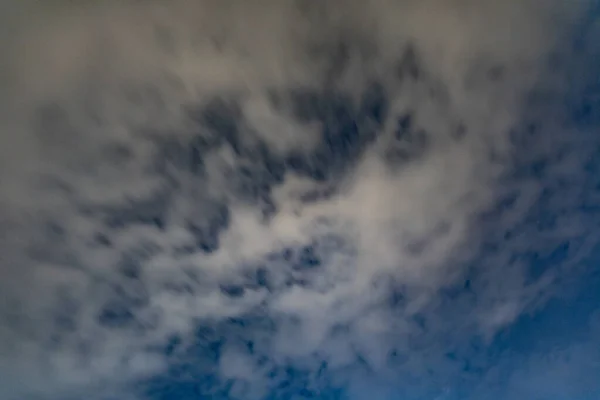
column 264, row 192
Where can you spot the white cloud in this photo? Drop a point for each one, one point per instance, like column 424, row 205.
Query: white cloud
column 116, row 79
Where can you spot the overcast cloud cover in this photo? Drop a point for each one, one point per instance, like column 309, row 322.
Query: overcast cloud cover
column 270, row 199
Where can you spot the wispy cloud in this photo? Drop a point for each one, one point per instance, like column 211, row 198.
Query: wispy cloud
column 232, row 193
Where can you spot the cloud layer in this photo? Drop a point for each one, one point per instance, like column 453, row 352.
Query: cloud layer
column 286, row 198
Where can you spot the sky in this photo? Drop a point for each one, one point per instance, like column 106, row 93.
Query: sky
column 291, row 199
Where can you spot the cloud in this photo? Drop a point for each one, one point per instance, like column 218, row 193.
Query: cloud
column 276, row 196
